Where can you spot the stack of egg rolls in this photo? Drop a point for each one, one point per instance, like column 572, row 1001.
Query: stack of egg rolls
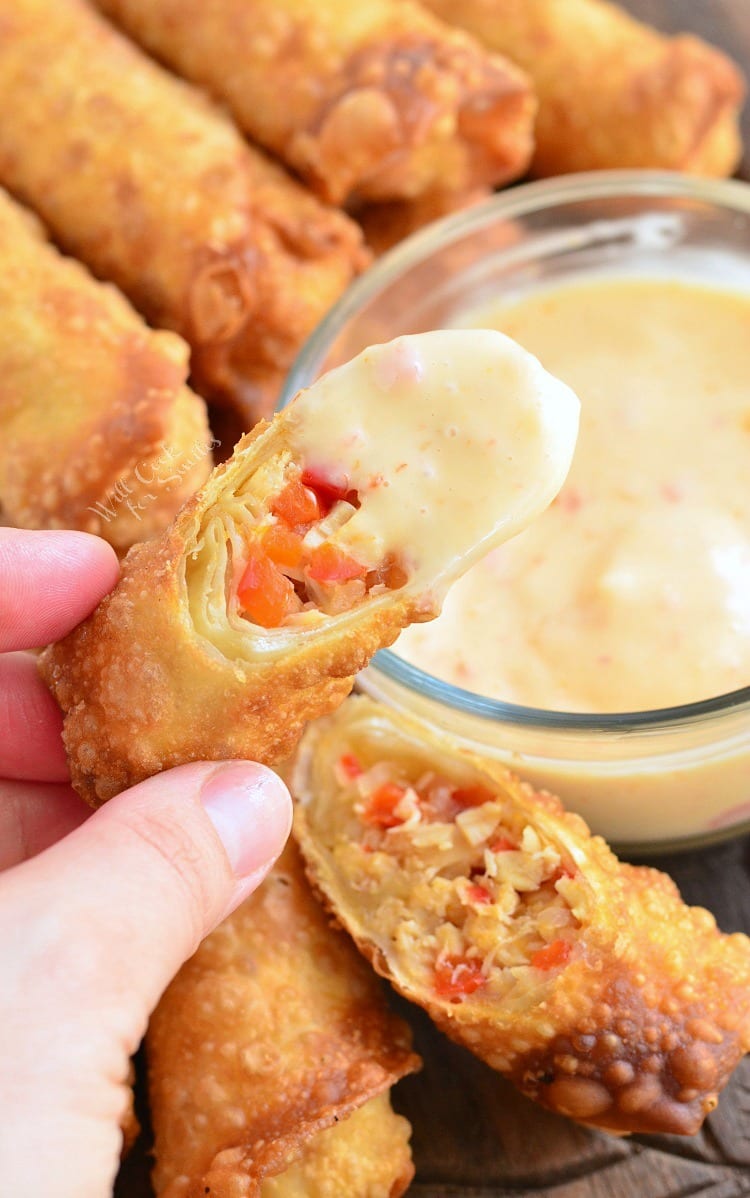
column 367, row 102
column 98, row 431
column 141, row 178
column 612, row 91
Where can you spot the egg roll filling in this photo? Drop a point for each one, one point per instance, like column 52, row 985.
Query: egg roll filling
column 291, row 565
column 468, row 892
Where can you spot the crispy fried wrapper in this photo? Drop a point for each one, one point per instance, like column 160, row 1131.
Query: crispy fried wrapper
column 385, row 225
column 271, row 1057
column 327, row 532
column 366, row 102
column 98, row 431
column 141, row 178
column 612, row 91
column 586, row 981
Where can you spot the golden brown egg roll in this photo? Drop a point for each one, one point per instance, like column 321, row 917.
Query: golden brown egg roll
column 586, row 981
column 326, row 533
column 372, row 101
column 385, row 225
column 271, row 1056
column 612, row 91
column 141, row 178
column 98, row 431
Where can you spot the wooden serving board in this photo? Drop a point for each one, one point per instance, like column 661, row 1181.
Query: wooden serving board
column 474, row 1136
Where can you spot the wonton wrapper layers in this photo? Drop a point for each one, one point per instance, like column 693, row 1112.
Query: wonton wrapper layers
column 635, row 1026
column 140, row 177
column 97, row 429
column 270, row 1059
column 612, row 91
column 373, row 101
column 453, row 440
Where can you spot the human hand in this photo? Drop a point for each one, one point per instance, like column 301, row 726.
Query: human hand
column 97, row 910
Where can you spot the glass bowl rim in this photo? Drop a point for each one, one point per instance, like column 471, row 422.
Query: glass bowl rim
column 508, row 205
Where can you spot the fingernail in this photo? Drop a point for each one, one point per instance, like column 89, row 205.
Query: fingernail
column 250, row 808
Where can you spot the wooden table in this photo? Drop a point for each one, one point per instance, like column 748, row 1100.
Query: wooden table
column 474, row 1136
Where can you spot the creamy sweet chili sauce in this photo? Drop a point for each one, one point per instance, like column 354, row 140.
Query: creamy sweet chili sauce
column 632, row 591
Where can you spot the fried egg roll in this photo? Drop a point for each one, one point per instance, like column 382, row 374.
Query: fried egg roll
column 271, row 1056
column 585, row 981
column 98, row 431
column 366, row 102
column 385, row 225
column 327, row 532
column 612, row 91
column 141, row 178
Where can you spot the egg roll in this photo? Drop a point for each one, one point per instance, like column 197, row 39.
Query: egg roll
column 270, row 1059
column 586, row 981
column 385, row 225
column 374, row 101
column 98, row 431
column 612, row 91
column 140, row 177
column 329, row 530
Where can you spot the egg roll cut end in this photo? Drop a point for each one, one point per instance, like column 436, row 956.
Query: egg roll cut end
column 589, row 983
column 328, row 531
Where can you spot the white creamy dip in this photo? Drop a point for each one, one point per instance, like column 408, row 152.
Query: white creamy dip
column 454, row 439
column 632, row 591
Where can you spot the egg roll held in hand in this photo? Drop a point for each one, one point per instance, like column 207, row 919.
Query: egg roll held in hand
column 586, row 981
column 141, row 178
column 271, row 1056
column 612, row 91
column 98, row 431
column 374, row 101
column 327, row 532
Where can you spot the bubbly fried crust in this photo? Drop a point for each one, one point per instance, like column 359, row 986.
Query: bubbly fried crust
column 377, row 101
column 613, row 92
column 140, row 177
column 637, row 1031
column 272, row 1033
column 98, row 431
column 142, row 691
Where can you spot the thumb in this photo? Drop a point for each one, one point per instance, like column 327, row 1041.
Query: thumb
column 113, row 910
column 91, row 932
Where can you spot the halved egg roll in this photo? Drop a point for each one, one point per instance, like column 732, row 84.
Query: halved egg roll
column 586, row 981
column 271, row 1056
column 372, row 101
column 326, row 533
column 612, row 91
column 141, row 178
column 98, row 431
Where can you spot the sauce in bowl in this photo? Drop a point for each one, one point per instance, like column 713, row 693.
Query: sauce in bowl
column 632, row 591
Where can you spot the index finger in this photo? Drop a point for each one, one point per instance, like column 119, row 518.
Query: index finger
column 49, row 582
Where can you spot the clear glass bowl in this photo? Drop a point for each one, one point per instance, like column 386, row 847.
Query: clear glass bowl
column 650, row 781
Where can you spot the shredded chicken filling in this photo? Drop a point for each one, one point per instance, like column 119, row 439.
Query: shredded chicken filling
column 466, row 887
